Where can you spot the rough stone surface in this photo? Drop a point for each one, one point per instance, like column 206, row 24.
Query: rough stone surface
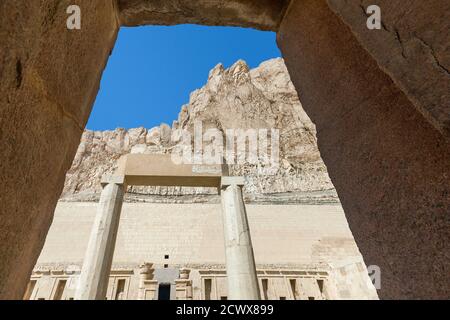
column 235, row 98
column 389, row 165
column 49, row 79
column 259, row 14
column 413, row 47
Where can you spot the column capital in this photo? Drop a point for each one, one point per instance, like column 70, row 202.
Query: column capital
column 184, row 273
column 230, row 181
column 108, row 179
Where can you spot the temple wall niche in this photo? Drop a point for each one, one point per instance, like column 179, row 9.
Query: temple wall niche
column 56, row 283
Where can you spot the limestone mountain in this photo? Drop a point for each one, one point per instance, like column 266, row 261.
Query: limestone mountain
column 234, row 98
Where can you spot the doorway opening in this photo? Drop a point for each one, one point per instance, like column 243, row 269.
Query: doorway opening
column 164, row 291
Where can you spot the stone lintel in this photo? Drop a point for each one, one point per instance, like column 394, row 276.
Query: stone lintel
column 258, row 14
column 162, row 170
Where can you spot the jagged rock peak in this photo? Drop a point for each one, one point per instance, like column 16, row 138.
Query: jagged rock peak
column 233, row 98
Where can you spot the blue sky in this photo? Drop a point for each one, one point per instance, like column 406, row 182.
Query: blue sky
column 153, row 70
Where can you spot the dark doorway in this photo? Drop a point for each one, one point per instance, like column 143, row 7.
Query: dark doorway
column 164, row 292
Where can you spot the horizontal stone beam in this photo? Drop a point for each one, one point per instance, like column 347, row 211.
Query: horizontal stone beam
column 160, row 170
column 258, row 14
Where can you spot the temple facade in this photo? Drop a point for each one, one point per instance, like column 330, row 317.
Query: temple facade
column 177, row 251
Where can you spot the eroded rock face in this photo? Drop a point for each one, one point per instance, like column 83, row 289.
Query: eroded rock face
column 234, row 98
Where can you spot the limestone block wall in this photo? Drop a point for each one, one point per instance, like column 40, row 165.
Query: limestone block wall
column 192, row 234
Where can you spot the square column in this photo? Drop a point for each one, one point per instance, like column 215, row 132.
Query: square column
column 93, row 282
column 240, row 260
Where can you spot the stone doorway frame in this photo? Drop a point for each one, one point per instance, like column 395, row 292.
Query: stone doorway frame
column 380, row 100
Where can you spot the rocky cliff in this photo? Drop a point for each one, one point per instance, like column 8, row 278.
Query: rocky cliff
column 234, row 98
